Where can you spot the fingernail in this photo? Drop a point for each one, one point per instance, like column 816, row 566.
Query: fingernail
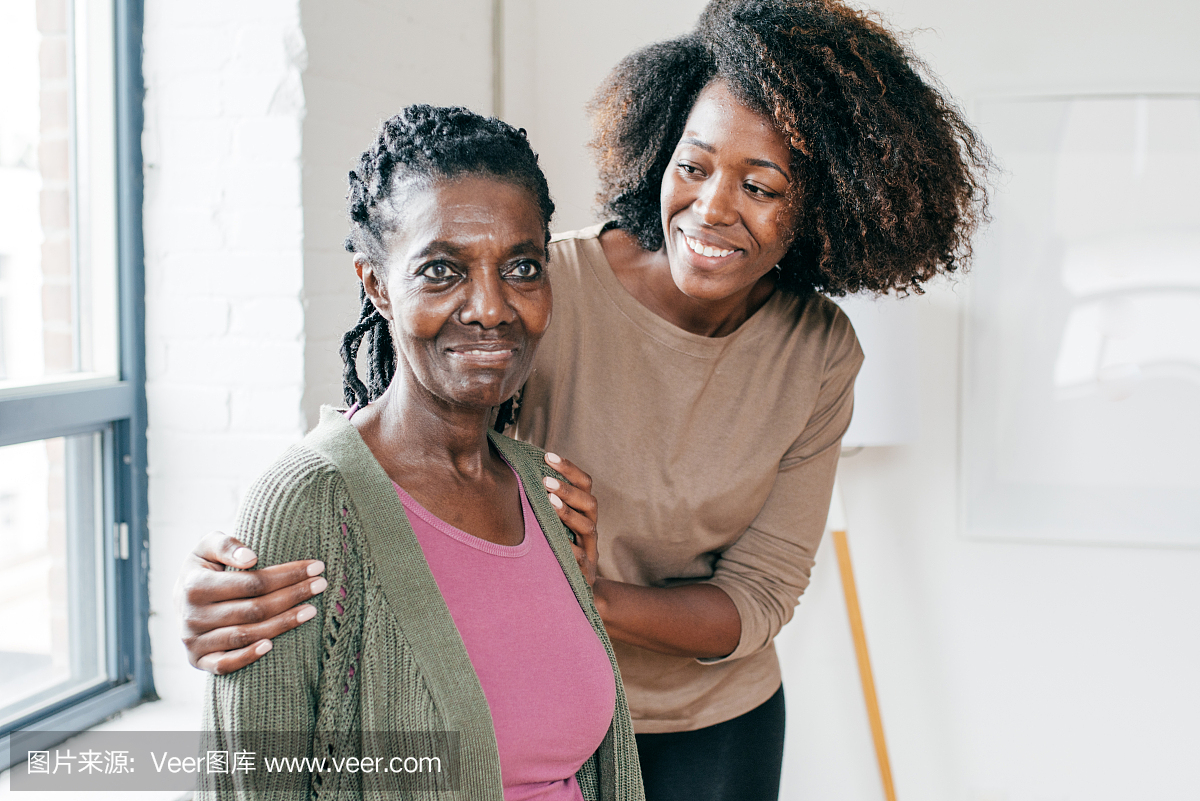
column 316, row 568
column 306, row 613
column 263, row 647
column 553, row 457
column 319, row 586
column 552, row 483
column 556, row 501
column 243, row 556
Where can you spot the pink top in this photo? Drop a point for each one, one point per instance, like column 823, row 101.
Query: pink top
column 544, row 672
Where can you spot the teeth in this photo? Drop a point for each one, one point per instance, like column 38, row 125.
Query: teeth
column 705, row 250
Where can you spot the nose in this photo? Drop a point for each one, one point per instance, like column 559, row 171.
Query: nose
column 486, row 302
column 716, row 203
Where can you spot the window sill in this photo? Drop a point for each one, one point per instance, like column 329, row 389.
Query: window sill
column 179, row 708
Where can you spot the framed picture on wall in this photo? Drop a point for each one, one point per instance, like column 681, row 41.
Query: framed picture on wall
column 1080, row 397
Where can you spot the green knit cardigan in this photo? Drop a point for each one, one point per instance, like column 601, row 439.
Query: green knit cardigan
column 383, row 653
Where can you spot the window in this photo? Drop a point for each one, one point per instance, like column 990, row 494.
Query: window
column 73, row 647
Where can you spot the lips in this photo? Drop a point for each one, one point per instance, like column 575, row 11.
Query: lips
column 708, row 250
column 489, row 352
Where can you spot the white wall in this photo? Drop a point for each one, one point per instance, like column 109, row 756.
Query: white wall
column 1006, row 672
column 556, row 52
column 224, row 273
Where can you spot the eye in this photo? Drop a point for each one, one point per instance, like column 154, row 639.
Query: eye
column 688, row 169
column 525, row 270
column 760, row 191
column 437, row 271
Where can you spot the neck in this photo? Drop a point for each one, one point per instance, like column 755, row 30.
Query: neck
column 647, row 276
column 708, row 318
column 410, row 432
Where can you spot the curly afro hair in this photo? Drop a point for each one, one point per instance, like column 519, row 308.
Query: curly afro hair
column 890, row 177
column 421, row 144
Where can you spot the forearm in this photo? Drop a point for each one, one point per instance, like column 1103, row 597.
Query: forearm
column 696, row 620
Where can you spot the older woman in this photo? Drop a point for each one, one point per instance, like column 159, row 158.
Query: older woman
column 460, row 606
column 783, row 151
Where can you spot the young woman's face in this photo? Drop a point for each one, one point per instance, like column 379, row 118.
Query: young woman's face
column 727, row 197
column 465, row 287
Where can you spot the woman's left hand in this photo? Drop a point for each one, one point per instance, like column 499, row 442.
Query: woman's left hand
column 576, row 507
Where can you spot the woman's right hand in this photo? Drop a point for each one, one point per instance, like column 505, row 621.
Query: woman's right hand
column 230, row 618
column 576, row 508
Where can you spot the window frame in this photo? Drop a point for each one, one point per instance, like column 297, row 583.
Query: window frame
column 117, row 408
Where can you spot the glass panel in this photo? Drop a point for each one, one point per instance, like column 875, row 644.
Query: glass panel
column 57, row 192
column 52, row 585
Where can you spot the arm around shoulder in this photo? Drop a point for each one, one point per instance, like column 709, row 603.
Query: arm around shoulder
column 289, row 513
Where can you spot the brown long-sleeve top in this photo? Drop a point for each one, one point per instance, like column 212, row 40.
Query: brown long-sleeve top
column 713, row 460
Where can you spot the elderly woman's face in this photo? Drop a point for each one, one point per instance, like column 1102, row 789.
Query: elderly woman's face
column 465, row 287
column 726, row 198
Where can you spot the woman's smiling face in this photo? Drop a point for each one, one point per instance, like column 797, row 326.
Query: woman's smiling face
column 728, row 204
column 464, row 286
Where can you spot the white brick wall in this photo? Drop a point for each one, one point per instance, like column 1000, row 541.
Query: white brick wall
column 224, row 272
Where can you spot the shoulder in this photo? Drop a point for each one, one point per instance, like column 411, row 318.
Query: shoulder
column 816, row 314
column 307, row 477
column 571, row 256
column 568, row 241
column 293, row 477
column 524, row 455
column 574, row 261
column 567, row 250
column 283, row 514
column 837, row 329
column 815, row 325
column 316, row 459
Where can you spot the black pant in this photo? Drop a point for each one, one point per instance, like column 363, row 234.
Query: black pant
column 738, row 760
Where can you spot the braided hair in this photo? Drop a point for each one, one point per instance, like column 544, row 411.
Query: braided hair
column 421, row 143
column 891, row 176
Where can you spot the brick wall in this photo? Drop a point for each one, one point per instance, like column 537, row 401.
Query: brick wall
column 58, row 339
column 224, row 270
column 55, row 200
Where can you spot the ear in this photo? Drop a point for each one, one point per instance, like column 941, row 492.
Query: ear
column 374, row 284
